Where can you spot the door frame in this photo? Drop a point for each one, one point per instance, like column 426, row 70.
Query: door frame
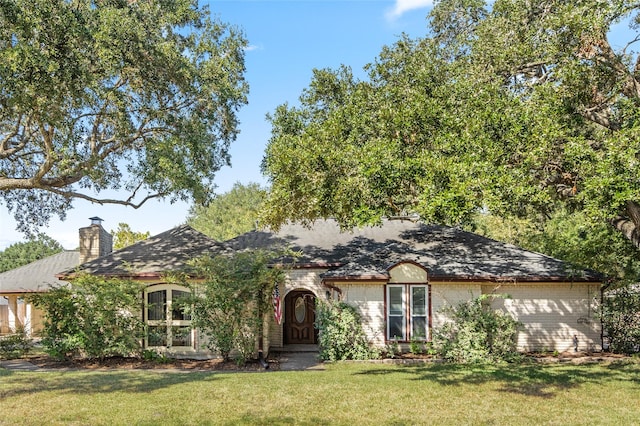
column 289, row 313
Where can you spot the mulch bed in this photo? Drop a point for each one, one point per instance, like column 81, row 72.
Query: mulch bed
column 125, row 363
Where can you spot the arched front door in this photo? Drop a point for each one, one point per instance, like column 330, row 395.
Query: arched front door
column 299, row 318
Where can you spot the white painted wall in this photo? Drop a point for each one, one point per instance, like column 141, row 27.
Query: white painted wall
column 407, row 273
column 369, row 299
column 552, row 314
column 448, row 294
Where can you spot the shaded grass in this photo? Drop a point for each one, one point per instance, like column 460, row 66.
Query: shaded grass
column 346, row 393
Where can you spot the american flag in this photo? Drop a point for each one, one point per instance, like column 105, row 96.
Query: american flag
column 277, row 307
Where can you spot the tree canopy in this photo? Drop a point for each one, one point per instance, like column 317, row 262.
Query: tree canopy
column 514, row 107
column 95, row 95
column 124, row 236
column 230, row 214
column 23, row 253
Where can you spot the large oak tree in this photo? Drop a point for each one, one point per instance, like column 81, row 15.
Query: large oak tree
column 135, row 96
column 517, row 107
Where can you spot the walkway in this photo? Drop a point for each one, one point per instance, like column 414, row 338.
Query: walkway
column 18, row 365
column 299, row 357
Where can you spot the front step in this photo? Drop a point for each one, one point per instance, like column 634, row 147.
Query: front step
column 296, row 349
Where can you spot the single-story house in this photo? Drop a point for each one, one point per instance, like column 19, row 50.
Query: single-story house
column 399, row 275
column 38, row 276
column 35, row 277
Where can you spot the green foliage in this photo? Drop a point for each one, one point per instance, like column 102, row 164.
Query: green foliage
column 124, row 236
column 621, row 319
column 150, row 355
column 523, row 109
column 92, row 317
column 417, row 347
column 229, row 305
column 19, row 254
column 392, row 349
column 340, row 332
column 475, row 333
column 140, row 96
column 15, row 345
column 230, row 214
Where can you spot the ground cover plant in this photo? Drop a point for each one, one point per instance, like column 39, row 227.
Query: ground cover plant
column 345, row 393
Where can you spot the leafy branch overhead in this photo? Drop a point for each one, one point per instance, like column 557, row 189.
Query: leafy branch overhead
column 98, row 95
column 516, row 107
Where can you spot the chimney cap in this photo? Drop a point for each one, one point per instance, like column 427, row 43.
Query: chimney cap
column 95, row 220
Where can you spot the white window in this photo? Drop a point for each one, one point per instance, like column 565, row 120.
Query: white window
column 168, row 325
column 407, row 312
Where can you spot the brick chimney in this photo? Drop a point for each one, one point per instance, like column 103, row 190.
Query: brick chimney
column 95, row 242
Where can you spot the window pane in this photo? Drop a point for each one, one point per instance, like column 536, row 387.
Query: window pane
column 177, row 310
column 419, row 328
column 157, row 336
column 395, row 301
column 300, row 310
column 419, row 301
column 181, row 336
column 157, row 305
column 396, row 328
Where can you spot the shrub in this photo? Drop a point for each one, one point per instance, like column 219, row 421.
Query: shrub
column 341, row 335
column 621, row 319
column 15, row 345
column 476, row 333
column 228, row 306
column 92, row 317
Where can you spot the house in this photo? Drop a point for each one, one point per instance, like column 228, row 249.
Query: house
column 399, row 275
column 40, row 275
column 35, row 277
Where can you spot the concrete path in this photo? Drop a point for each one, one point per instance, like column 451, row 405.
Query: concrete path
column 299, row 361
column 18, row 365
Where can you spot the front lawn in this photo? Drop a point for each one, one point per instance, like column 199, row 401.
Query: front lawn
column 345, row 393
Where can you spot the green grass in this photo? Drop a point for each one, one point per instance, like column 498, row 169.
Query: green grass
column 349, row 393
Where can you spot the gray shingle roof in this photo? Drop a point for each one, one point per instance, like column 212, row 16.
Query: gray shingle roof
column 38, row 275
column 448, row 253
column 168, row 251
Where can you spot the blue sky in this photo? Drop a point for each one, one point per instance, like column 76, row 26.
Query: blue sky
column 288, row 39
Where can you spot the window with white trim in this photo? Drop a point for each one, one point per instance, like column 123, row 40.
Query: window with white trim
column 167, row 323
column 407, row 312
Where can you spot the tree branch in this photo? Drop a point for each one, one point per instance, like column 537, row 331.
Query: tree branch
column 101, row 201
column 633, row 210
column 628, row 229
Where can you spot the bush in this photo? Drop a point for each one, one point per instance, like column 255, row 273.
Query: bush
column 476, row 333
column 15, row 345
column 92, row 317
column 341, row 335
column 228, row 306
column 621, row 319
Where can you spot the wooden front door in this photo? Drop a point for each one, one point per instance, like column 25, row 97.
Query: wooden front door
column 299, row 318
